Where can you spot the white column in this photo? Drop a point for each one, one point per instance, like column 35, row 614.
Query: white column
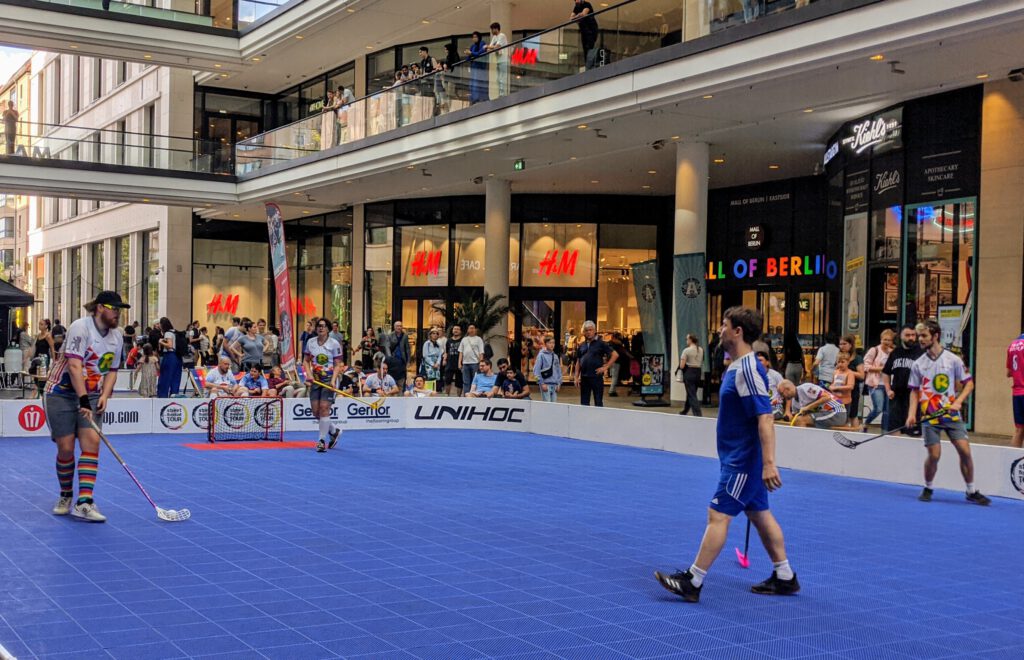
column 497, row 210
column 358, row 273
column 176, row 263
column 691, row 227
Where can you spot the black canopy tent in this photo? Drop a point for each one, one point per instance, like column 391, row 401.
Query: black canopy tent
column 11, row 296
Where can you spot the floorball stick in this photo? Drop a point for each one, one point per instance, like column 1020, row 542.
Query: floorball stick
column 372, row 404
column 851, row 443
column 743, row 557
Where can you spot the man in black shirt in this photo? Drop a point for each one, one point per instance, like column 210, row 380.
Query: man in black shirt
column 583, row 12
column 452, row 373
column 590, row 356
column 521, row 389
column 896, row 377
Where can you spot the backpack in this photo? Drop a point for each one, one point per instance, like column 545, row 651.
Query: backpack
column 181, row 347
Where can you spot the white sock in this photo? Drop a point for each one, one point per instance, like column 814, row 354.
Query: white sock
column 698, row 576
column 325, row 426
column 783, row 570
column 971, row 488
column 928, row 484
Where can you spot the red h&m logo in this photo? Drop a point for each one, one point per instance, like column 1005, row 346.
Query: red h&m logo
column 303, row 307
column 426, row 263
column 550, row 264
column 221, row 304
column 524, row 56
column 32, row 417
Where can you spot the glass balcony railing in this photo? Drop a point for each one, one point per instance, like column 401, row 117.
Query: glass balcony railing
column 111, row 146
column 615, row 33
column 224, row 14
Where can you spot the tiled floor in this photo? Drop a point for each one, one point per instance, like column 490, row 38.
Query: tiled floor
column 441, row 544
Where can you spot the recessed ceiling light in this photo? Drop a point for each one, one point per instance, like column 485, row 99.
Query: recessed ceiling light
column 981, row 76
column 578, row 226
column 350, row 10
column 708, row 96
column 74, row 46
column 297, row 194
column 255, row 59
column 305, row 212
column 425, row 22
column 572, row 157
column 410, row 167
column 223, row 75
column 147, row 57
column 478, row 226
column 646, row 187
column 773, row 167
column 582, row 126
column 719, row 161
column 877, row 58
column 235, row 215
column 487, row 148
column 808, row 110
column 491, row 174
column 145, row 199
column 299, row 36
column 369, row 48
column 675, row 137
column 217, row 66
column 652, row 171
column 594, row 181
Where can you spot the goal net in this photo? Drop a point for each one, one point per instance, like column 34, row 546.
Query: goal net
column 246, row 419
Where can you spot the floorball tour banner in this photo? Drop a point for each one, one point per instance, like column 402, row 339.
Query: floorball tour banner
column 691, row 300
column 652, row 320
column 279, row 262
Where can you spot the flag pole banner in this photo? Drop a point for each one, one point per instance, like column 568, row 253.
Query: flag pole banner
column 282, row 286
column 652, row 321
column 691, row 300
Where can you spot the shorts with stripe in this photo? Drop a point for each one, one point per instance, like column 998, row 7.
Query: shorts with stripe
column 738, row 492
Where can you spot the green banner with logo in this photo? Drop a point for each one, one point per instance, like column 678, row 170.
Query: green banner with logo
column 648, row 302
column 691, row 300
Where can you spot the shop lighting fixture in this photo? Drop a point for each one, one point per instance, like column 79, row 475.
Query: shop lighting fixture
column 582, row 127
column 594, row 181
column 773, row 167
column 299, row 36
column 808, row 110
column 652, row 171
column 145, row 199
column 645, row 187
column 981, row 76
column 719, row 161
column 73, row 46
column 675, row 137
column 487, row 149
column 305, row 213
column 255, row 59
column 235, row 215
column 877, row 58
column 147, row 56
column 425, row 22
column 572, row 157
column 350, row 10
column 217, row 66
column 708, row 96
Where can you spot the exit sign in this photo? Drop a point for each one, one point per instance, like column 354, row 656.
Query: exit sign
column 519, row 165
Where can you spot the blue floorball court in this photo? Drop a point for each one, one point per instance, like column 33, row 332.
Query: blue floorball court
column 467, row 544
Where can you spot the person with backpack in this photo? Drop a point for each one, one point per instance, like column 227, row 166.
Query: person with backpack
column 173, row 346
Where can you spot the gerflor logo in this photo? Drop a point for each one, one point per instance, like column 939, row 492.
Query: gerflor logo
column 32, row 417
column 470, row 413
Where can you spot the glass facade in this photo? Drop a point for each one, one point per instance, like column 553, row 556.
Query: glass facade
column 96, row 272
column 151, row 264
column 122, row 272
column 57, row 283
column 75, row 294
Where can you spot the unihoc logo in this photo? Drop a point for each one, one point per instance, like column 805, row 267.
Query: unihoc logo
column 32, row 417
column 1017, row 475
column 469, row 413
column 174, row 416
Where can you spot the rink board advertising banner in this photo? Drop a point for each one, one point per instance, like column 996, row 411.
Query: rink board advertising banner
column 282, row 287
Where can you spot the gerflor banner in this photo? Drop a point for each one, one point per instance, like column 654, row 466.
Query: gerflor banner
column 648, row 302
column 279, row 262
column 691, row 300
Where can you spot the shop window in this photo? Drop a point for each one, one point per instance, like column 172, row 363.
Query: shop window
column 424, row 256
column 57, row 283
column 621, row 247
column 229, row 278
column 76, row 283
column 469, row 255
column 559, row 255
column 341, row 282
column 151, row 261
column 885, row 234
column 96, row 273
column 379, row 254
column 122, row 254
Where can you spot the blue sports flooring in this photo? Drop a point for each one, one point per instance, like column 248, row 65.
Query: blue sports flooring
column 442, row 544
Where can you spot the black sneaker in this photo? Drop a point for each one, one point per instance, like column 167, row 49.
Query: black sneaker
column 680, row 584
column 926, row 495
column 977, row 498
column 320, row 446
column 333, row 435
column 773, row 586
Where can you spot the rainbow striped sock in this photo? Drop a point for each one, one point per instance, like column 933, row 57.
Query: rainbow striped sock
column 88, row 465
column 66, row 475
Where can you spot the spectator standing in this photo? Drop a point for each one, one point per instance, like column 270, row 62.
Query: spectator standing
column 497, row 46
column 272, row 347
column 825, row 360
column 169, row 381
column 431, row 356
column 471, row 350
column 218, row 343
column 248, row 347
column 10, row 127
column 1015, row 370
column 940, row 382
column 896, row 378
column 843, row 381
column 26, row 342
column 547, row 368
column 146, row 372
column 58, row 336
column 450, row 362
column 594, row 357
column 205, row 347
column 368, row 346
column 583, row 12
column 692, row 363
column 307, row 334
column 153, row 336
column 847, row 345
column 874, row 365
column 477, row 68
column 396, row 346
column 793, row 356
column 618, row 344
column 129, row 338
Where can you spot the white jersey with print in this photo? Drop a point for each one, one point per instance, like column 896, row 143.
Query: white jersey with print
column 323, row 357
column 774, row 378
column 100, row 354
column 808, row 393
column 935, row 379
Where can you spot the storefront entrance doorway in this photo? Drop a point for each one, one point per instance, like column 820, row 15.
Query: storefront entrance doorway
column 536, row 318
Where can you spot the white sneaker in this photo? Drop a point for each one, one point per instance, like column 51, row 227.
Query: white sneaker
column 87, row 512
column 63, row 506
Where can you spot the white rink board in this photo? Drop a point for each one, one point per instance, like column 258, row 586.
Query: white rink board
column 896, row 459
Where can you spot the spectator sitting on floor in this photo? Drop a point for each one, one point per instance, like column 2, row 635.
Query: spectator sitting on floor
column 483, row 386
column 381, row 383
column 511, row 384
column 221, row 382
column 284, row 385
column 254, row 383
column 418, row 388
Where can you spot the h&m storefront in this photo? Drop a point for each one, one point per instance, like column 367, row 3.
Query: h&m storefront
column 906, row 181
column 569, row 261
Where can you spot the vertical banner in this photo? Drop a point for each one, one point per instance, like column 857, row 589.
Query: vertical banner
column 648, row 302
column 691, row 300
column 855, row 250
column 279, row 262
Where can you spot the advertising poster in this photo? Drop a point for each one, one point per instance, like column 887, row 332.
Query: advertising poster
column 279, row 262
column 652, row 374
column 648, row 302
column 950, row 322
column 855, row 275
column 691, row 299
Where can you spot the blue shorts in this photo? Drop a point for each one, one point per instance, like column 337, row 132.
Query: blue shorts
column 738, row 492
column 1018, row 409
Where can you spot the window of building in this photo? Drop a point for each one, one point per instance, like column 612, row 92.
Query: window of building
column 75, row 85
column 558, row 254
column 120, row 147
column 470, row 263
column 151, row 259
column 7, row 226
column 96, row 268
column 7, row 259
column 39, row 273
column 379, row 252
column 96, row 73
column 341, row 281
column 424, row 255
column 229, row 278
column 57, row 283
column 122, row 273
column 621, row 246
column 120, row 72
column 75, row 295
